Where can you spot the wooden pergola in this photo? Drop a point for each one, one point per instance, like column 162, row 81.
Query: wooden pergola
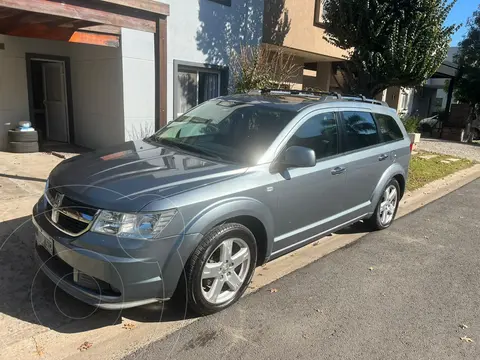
column 96, row 22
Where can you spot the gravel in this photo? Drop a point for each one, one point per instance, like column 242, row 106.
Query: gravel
column 467, row 151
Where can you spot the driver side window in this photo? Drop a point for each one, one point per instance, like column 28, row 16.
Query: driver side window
column 319, row 133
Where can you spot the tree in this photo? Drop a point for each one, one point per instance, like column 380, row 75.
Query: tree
column 389, row 42
column 262, row 67
column 467, row 84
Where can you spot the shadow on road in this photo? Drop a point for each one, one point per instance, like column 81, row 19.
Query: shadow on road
column 29, row 296
column 358, row 227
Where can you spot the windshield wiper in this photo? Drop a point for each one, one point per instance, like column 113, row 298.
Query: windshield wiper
column 190, row 148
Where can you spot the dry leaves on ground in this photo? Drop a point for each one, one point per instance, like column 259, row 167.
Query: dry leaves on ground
column 39, row 349
column 466, row 339
column 370, row 268
column 85, row 346
column 273, row 290
column 463, row 326
column 129, row 326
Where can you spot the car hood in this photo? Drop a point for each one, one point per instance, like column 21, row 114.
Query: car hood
column 129, row 176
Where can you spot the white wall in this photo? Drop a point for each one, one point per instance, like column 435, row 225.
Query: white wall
column 138, row 59
column 204, row 31
column 96, row 88
column 97, row 95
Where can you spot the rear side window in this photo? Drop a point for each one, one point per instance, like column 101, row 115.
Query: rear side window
column 388, row 128
column 318, row 133
column 360, row 130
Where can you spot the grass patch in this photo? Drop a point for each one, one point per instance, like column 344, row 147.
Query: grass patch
column 423, row 171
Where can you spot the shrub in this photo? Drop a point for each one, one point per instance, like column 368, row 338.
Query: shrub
column 262, row 67
column 411, row 123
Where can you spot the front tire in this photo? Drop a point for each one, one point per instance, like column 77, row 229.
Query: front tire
column 220, row 269
column 387, row 207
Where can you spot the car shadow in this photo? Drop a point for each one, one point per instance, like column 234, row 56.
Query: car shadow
column 356, row 228
column 28, row 296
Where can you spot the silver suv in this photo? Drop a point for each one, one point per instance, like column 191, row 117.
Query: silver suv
column 233, row 183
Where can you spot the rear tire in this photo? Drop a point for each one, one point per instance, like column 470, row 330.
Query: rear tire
column 386, row 208
column 210, row 268
column 22, row 147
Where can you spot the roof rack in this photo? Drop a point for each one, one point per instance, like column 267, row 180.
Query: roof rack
column 359, row 98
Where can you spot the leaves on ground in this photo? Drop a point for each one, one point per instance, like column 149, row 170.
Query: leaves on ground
column 463, row 326
column 129, row 326
column 40, row 351
column 466, row 339
column 273, row 290
column 315, row 243
column 370, row 268
column 85, row 346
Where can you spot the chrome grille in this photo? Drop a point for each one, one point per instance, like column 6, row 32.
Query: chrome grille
column 69, row 216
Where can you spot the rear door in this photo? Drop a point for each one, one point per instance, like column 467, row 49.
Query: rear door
column 366, row 156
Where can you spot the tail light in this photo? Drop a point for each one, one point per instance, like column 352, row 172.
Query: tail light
column 411, row 146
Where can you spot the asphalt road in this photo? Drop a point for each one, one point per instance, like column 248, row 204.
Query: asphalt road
column 398, row 294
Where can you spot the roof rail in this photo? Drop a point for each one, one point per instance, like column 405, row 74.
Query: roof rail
column 297, row 92
column 359, row 98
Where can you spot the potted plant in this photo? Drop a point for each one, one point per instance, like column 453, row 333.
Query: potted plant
column 411, row 124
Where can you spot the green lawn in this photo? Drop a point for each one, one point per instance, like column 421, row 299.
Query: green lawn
column 423, row 171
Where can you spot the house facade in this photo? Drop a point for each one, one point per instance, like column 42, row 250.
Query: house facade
column 98, row 73
column 297, row 27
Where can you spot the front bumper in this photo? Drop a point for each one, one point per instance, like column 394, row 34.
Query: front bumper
column 124, row 272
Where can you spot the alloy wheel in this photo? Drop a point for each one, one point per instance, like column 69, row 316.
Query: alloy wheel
column 225, row 271
column 388, row 205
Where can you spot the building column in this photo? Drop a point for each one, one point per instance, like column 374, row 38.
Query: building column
column 138, row 67
column 324, row 75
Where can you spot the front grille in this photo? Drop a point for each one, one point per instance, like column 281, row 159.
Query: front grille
column 71, row 217
column 71, row 204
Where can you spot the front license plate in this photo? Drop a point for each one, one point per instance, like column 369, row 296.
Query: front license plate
column 46, row 242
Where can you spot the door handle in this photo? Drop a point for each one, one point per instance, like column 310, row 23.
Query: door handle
column 383, row 157
column 338, row 170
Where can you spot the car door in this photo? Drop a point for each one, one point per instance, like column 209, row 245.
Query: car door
column 310, row 199
column 366, row 157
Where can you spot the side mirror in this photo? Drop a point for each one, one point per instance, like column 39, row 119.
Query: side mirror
column 299, row 156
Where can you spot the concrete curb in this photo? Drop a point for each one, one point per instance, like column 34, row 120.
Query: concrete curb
column 113, row 342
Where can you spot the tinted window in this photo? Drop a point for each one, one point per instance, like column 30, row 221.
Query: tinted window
column 360, row 130
column 226, row 129
column 388, row 128
column 318, row 133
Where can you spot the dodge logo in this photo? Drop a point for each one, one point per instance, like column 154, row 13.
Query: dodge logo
column 56, row 203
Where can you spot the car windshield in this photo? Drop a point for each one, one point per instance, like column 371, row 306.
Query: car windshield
column 226, row 130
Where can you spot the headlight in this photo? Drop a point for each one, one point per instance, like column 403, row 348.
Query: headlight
column 136, row 226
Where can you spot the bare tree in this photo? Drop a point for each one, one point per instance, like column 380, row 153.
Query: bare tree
column 263, row 66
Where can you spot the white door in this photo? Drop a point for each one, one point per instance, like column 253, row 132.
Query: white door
column 55, row 100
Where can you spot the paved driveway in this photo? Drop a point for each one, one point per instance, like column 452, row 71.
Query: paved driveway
column 398, row 294
column 462, row 150
column 26, row 308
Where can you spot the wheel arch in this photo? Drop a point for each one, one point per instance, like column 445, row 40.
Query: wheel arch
column 246, row 211
column 395, row 171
